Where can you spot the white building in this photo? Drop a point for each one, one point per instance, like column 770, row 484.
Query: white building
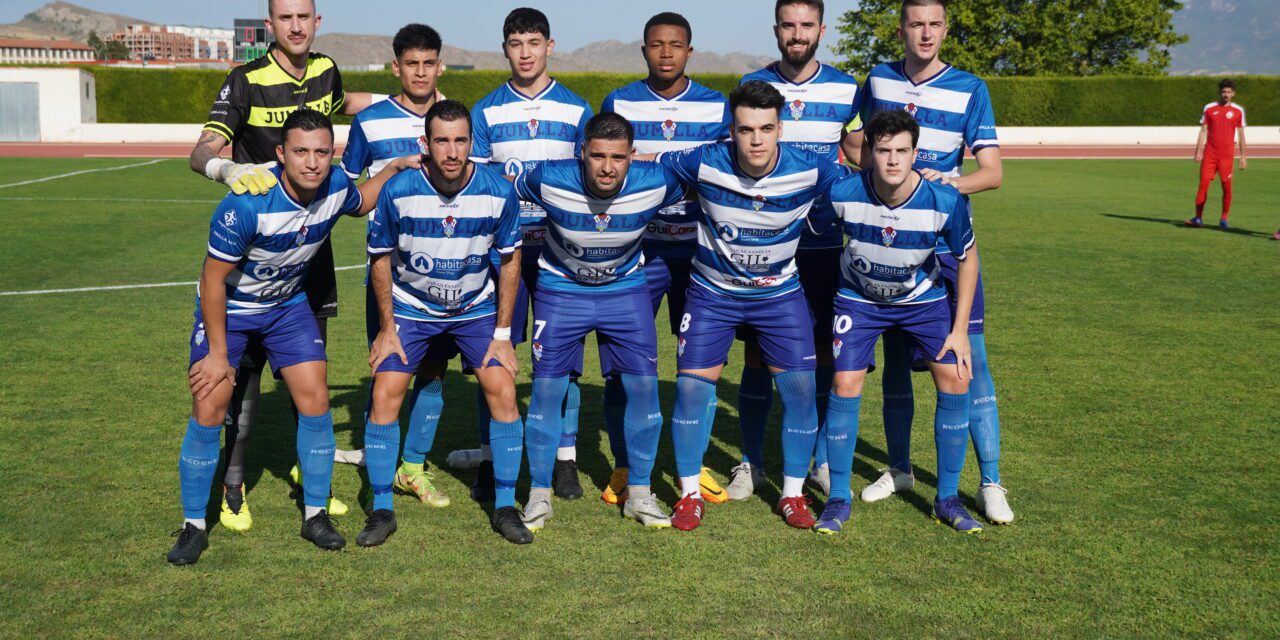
column 209, row 43
column 15, row 51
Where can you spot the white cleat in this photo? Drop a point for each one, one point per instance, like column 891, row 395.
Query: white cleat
column 820, row 476
column 889, row 483
column 647, row 512
column 994, row 505
column 463, row 459
column 743, row 481
column 537, row 511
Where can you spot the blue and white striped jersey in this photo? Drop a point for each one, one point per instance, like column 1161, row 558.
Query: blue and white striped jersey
column 892, row 253
column 440, row 246
column 515, row 132
column 594, row 243
column 953, row 109
column 271, row 239
column 382, row 132
column 697, row 116
column 750, row 228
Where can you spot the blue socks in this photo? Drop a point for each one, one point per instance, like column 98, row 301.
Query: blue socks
column 842, row 436
column 688, row 434
column 197, row 463
column 755, row 400
column 505, row 438
column 823, row 377
column 569, row 415
column 615, row 406
column 951, row 436
column 643, row 425
column 315, row 457
column 799, row 421
column 984, row 419
column 381, row 444
column 708, row 420
column 482, row 416
column 899, row 401
column 424, row 416
column 542, row 428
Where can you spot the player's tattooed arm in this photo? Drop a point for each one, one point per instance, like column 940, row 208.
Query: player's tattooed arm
column 500, row 348
column 387, row 343
column 211, row 371
column 958, row 341
column 207, row 148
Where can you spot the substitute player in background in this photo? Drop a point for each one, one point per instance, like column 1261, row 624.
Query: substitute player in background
column 247, row 114
column 954, row 111
column 820, row 104
column 529, row 119
column 1216, row 149
column 670, row 112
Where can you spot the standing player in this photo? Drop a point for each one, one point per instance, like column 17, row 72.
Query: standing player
column 755, row 196
column 530, row 119
column 430, row 245
column 251, row 289
column 821, row 102
column 898, row 224
column 248, row 114
column 670, row 112
column 953, row 109
column 1216, row 149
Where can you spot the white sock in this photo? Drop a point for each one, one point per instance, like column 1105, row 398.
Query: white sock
column 486, row 453
column 819, row 468
column 689, row 485
column 309, row 512
column 567, row 453
column 198, row 522
column 792, row 487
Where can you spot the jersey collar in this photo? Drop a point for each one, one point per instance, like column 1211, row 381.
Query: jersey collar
column 871, row 189
column 272, row 47
column 541, row 94
column 475, row 168
column 902, row 71
column 777, row 72
column 679, row 96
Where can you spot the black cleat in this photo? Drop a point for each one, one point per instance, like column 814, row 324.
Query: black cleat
column 483, row 489
column 564, row 480
column 506, row 521
column 377, row 528
column 192, row 541
column 320, row 532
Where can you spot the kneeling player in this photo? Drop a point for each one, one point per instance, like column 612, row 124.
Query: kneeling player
column 260, row 248
column 430, row 245
column 897, row 223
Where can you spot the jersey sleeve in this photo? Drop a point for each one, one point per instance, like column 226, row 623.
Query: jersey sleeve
column 607, row 105
column 1204, row 114
column 980, row 121
column 352, row 200
column 822, row 215
column 582, row 130
column 683, row 164
column 231, row 229
column 1242, row 123
column 676, row 190
column 357, row 157
column 508, row 237
column 528, row 185
column 230, row 107
column 384, row 225
column 480, row 147
column 863, row 102
column 855, row 118
column 339, row 96
column 726, row 123
column 957, row 234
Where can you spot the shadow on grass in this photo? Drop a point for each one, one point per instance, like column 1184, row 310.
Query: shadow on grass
column 1179, row 223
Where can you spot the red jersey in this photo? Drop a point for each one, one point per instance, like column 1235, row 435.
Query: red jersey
column 1222, row 120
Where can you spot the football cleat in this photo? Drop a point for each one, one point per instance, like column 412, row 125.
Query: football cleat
column 536, row 512
column 484, row 488
column 647, row 512
column 1276, row 236
column 710, row 489
column 616, row 491
column 743, row 481
column 1194, row 222
column 335, row 507
column 564, row 478
column 688, row 513
column 319, row 530
column 506, row 521
column 463, row 458
column 820, row 477
column 890, row 482
column 235, row 514
column 833, row 517
column 377, row 528
column 192, row 541
column 951, row 512
column 795, row 510
column 419, row 485
column 1222, row 224
column 993, row 504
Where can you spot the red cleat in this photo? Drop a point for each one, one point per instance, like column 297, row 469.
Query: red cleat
column 796, row 512
column 688, row 513
column 1276, row 236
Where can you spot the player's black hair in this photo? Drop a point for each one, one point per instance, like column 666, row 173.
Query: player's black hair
column 887, row 124
column 449, row 111
column 526, row 20
column 1227, row 83
column 609, row 126
column 902, row 13
column 416, row 36
column 669, row 18
column 756, row 94
column 307, row 120
column 815, row 4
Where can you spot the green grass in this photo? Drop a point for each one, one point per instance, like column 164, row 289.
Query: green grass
column 1135, row 363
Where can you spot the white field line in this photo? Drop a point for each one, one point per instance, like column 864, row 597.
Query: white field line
column 77, row 173
column 121, row 287
column 58, row 199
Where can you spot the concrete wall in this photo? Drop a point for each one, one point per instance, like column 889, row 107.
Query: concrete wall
column 68, row 98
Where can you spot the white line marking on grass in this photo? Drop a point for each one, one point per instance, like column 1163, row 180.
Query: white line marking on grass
column 81, row 172
column 160, row 200
column 121, row 287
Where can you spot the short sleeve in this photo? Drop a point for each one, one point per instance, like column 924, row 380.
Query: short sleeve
column 357, row 157
column 980, row 121
column 855, row 119
column 528, row 185
column 480, row 147
column 863, row 103
column 339, row 96
column 508, row 237
column 726, row 123
column 582, row 130
column 232, row 228
column 607, row 105
column 683, row 164
column 1204, row 114
column 1242, row 122
column 675, row 187
column 957, row 235
column 352, row 200
column 384, row 225
column 230, row 107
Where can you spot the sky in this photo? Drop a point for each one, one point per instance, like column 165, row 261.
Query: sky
column 721, row 26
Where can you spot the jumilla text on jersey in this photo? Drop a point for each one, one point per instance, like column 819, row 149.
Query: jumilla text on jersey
column 688, row 130
column 524, row 130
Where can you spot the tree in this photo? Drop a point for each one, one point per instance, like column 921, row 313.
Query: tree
column 99, row 47
column 1026, row 37
column 117, row 50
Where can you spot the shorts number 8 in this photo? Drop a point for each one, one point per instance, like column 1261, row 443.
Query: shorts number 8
column 684, row 322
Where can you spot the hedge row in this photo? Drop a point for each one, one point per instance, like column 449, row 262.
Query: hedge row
column 184, row 95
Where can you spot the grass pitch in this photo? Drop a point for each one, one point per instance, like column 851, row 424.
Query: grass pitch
column 1135, row 363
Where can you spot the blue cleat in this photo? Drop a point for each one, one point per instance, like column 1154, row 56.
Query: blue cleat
column 833, row 517
column 1222, row 224
column 950, row 512
column 1194, row 222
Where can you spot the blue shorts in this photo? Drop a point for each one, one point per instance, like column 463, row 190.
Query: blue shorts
column 667, row 273
column 621, row 319
column 978, row 315
column 819, row 271
column 471, row 338
column 439, row 350
column 780, row 325
column 858, row 325
column 289, row 334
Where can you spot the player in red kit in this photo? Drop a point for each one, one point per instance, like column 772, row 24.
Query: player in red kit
column 1216, row 149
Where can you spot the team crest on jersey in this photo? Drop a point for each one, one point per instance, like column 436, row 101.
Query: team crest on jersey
column 537, row 350
column 836, row 346
column 797, row 109
column 602, row 221
column 229, row 219
column 450, row 225
column 302, row 237
column 668, row 130
column 532, row 125
column 910, row 108
column 1231, row 115
column 226, row 91
column 680, row 344
column 887, row 236
column 199, row 337
column 757, row 202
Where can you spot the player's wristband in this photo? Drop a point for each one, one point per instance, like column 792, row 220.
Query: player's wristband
column 216, row 169
column 502, row 333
